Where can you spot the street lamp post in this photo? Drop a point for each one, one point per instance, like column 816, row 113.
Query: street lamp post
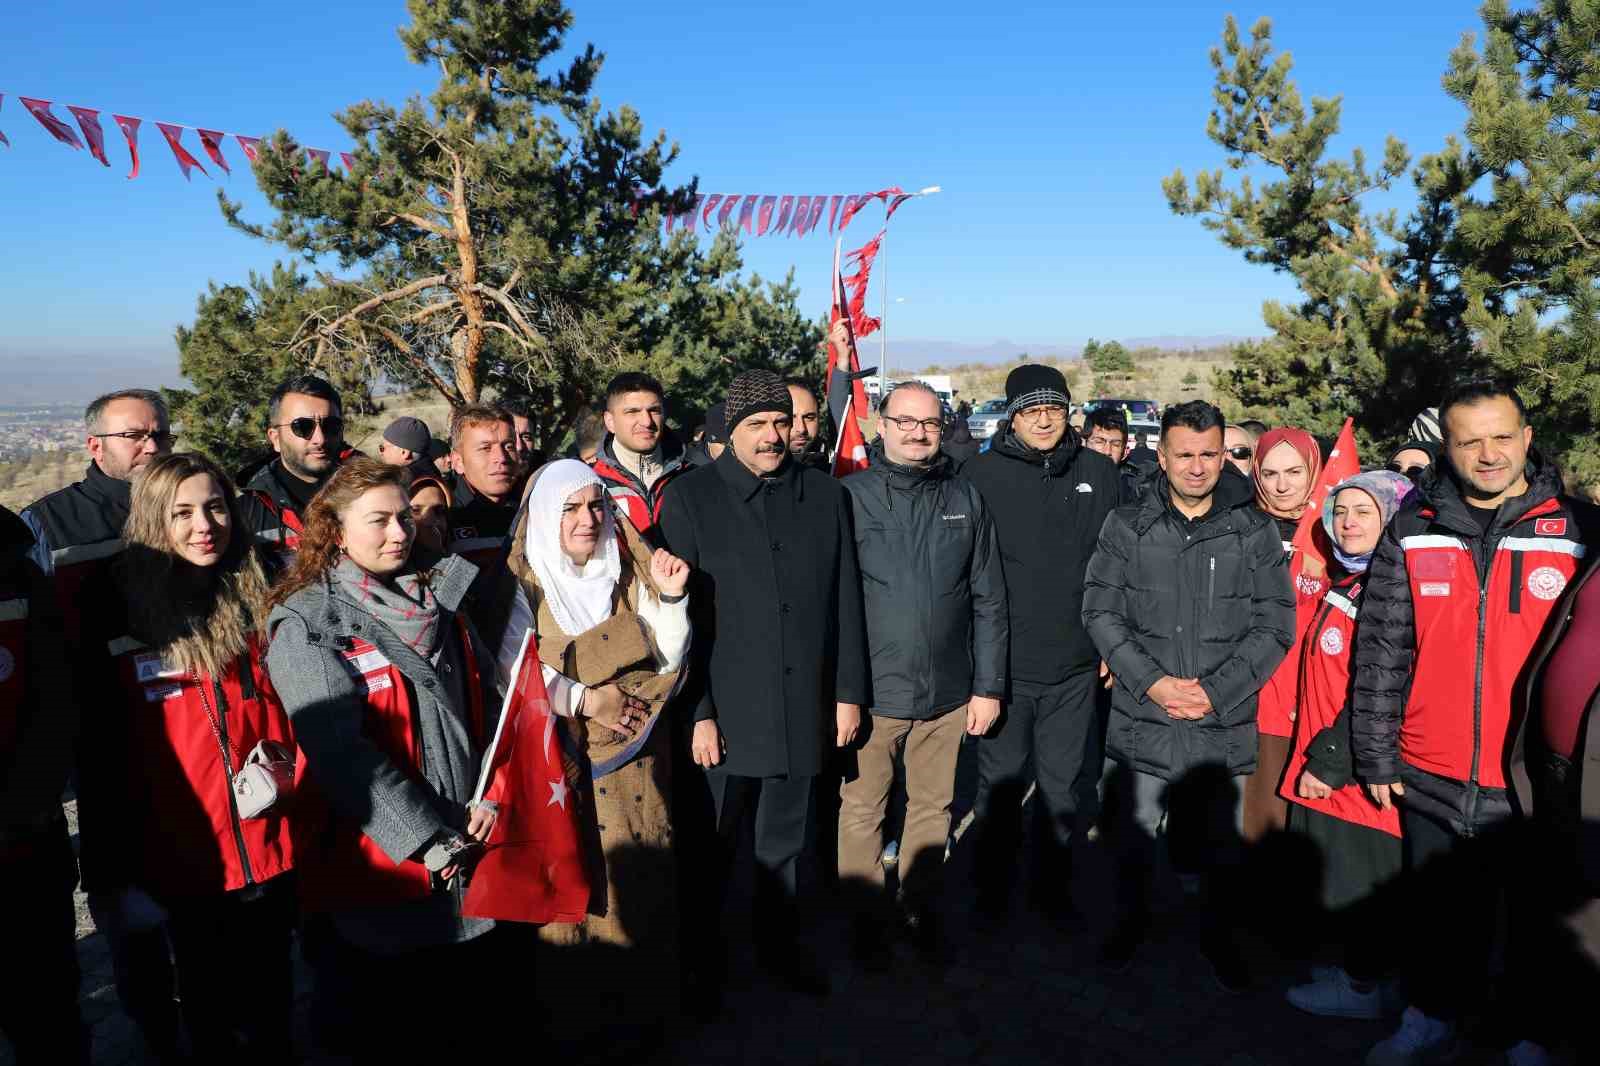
column 883, row 310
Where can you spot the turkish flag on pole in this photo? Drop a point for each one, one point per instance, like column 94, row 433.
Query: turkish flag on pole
column 851, row 455
column 532, row 870
column 1343, row 462
column 857, row 400
column 40, row 109
column 89, row 122
column 211, row 140
column 130, row 133
column 186, row 162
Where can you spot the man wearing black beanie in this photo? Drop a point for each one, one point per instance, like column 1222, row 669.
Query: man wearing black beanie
column 1049, row 497
column 777, row 673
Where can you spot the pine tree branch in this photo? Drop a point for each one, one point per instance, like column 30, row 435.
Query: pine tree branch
column 418, row 221
column 504, row 299
column 418, row 363
column 383, row 298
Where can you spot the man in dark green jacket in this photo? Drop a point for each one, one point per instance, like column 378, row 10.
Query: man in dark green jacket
column 935, row 602
column 1188, row 600
column 1049, row 496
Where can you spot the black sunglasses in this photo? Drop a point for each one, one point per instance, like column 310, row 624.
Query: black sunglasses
column 1243, row 451
column 1412, row 472
column 332, row 427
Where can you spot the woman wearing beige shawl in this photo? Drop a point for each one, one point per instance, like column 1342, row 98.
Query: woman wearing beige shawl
column 611, row 620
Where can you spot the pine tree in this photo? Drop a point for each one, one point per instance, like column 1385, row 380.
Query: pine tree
column 1493, row 270
column 507, row 229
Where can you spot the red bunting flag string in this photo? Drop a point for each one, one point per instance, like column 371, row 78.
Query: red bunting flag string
column 763, row 215
column 211, row 140
column 2, row 132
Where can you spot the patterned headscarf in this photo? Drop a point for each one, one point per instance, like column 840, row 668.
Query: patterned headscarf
column 1387, row 489
column 1305, row 445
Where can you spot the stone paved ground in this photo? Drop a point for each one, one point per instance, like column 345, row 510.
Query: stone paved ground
column 1018, row 995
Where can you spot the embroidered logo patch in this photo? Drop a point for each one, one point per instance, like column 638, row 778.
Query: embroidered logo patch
column 1434, row 588
column 1332, row 641
column 8, row 664
column 1546, row 582
column 1550, row 527
column 161, row 693
column 1310, row 586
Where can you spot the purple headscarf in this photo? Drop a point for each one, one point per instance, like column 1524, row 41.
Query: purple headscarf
column 1387, row 489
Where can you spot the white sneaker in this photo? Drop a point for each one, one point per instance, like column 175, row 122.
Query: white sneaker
column 1420, row 1040
column 1528, row 1053
column 1333, row 995
column 1391, row 997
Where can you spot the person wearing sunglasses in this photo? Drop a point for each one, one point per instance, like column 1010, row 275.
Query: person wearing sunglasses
column 305, row 426
column 1240, row 444
column 1413, row 457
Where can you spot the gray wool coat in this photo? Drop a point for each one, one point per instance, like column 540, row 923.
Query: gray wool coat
column 326, row 703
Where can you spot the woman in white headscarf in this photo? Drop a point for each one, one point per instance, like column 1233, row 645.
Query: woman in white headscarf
column 612, row 625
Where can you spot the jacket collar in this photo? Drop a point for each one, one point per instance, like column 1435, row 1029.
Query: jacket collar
column 103, row 486
column 1232, row 493
column 909, row 476
column 464, row 495
column 744, row 485
column 1055, row 462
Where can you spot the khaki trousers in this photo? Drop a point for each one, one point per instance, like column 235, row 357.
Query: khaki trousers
column 928, row 750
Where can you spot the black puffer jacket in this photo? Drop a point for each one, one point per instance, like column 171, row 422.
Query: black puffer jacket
column 1047, row 509
column 1207, row 599
column 932, row 586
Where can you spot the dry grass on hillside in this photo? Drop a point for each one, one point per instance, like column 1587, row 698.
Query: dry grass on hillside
column 1158, row 376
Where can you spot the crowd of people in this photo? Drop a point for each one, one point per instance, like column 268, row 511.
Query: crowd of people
column 272, row 694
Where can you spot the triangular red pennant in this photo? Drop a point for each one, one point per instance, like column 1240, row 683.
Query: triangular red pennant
column 863, row 200
column 248, row 146
column 764, row 217
column 40, row 109
column 130, row 133
column 320, row 156
column 728, row 204
column 89, row 122
column 711, row 205
column 802, row 211
column 348, row 160
column 785, row 209
column 895, row 204
column 818, row 203
column 186, row 162
column 212, row 141
column 747, row 213
column 2, row 133
column 693, row 213
column 833, row 211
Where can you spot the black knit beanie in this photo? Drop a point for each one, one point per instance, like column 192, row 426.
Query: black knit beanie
column 717, row 424
column 755, row 391
column 1033, row 384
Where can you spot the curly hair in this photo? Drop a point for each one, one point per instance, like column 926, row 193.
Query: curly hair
column 324, row 518
column 201, row 632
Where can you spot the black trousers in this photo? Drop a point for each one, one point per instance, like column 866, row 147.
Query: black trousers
column 1043, row 737
column 235, row 976
column 783, row 811
column 39, row 984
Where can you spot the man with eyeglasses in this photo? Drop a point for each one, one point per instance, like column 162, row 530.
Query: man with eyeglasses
column 305, row 425
column 935, row 600
column 1049, row 496
column 77, row 532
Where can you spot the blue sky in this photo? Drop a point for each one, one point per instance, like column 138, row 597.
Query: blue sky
column 1048, row 125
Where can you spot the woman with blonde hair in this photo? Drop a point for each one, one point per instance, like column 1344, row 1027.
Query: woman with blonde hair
column 389, row 690
column 187, row 758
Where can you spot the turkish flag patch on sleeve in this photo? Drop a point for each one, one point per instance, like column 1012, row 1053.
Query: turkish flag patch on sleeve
column 1550, row 527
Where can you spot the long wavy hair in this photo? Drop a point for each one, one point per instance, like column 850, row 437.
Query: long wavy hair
column 197, row 624
column 319, row 541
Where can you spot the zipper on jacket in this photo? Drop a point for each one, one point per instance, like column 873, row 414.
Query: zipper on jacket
column 227, row 767
column 1211, row 586
column 1484, row 564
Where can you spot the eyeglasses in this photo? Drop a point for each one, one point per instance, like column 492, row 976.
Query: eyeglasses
column 1413, row 472
column 905, row 423
column 1243, row 451
column 162, row 438
column 1048, row 412
column 305, row 428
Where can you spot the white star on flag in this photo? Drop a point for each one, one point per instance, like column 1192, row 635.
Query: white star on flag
column 558, row 795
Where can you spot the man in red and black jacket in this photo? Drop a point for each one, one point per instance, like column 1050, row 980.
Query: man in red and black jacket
column 639, row 455
column 38, row 722
column 484, row 456
column 305, row 425
column 1457, row 595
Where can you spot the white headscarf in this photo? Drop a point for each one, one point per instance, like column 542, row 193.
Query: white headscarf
column 579, row 597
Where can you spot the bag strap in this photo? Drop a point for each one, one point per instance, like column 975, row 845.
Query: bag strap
column 223, row 745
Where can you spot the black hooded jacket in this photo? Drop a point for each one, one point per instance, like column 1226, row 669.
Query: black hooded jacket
column 932, row 587
column 1209, row 599
column 1048, row 509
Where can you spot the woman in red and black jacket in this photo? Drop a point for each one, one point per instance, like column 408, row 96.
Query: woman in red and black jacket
column 1358, row 842
column 178, row 703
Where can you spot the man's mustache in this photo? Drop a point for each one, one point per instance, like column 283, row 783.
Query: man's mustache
column 770, row 449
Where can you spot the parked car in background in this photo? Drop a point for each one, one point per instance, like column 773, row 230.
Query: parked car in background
column 986, row 418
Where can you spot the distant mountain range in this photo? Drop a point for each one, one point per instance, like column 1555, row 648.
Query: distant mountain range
column 924, row 353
